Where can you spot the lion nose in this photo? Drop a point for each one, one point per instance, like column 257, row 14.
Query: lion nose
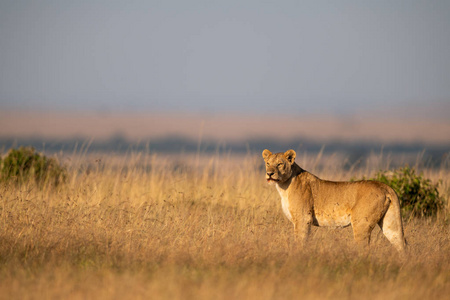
column 269, row 174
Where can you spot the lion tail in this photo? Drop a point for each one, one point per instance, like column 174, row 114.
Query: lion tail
column 391, row 224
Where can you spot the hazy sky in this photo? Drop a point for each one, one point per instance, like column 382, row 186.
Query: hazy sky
column 224, row 55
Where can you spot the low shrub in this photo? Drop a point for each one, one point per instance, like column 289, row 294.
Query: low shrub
column 418, row 196
column 24, row 164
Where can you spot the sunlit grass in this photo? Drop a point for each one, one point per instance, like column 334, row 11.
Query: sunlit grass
column 190, row 227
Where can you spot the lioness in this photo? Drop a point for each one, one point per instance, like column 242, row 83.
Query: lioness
column 308, row 200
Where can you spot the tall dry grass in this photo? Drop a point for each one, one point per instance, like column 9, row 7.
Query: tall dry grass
column 179, row 227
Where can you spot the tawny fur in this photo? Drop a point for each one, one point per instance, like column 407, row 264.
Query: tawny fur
column 308, row 200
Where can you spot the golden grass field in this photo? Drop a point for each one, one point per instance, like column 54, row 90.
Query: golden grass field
column 147, row 226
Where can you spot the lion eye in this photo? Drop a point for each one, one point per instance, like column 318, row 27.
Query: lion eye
column 267, row 164
column 279, row 164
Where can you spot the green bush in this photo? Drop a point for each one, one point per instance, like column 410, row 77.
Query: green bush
column 24, row 164
column 418, row 196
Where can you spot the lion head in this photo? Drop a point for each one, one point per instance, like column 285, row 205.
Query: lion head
column 278, row 166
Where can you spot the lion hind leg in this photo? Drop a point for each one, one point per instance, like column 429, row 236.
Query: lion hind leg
column 362, row 229
column 361, row 232
column 363, row 220
column 391, row 225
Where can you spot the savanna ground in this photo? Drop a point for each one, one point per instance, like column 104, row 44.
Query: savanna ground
column 145, row 226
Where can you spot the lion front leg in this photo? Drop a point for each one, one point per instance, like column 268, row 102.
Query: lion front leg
column 302, row 220
column 302, row 231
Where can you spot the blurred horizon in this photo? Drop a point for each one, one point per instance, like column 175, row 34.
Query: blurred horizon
column 413, row 126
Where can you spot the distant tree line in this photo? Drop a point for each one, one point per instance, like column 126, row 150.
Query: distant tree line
column 431, row 155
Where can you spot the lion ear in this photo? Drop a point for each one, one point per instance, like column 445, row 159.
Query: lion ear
column 266, row 153
column 290, row 155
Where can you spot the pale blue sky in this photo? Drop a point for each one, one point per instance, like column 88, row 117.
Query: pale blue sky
column 307, row 56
